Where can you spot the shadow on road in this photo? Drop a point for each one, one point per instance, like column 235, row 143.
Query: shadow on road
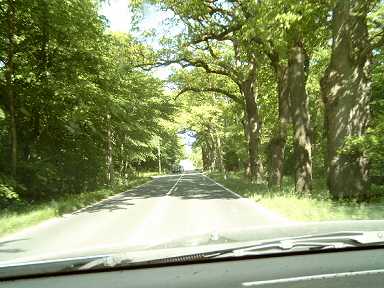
column 190, row 187
column 157, row 188
column 200, row 187
column 4, row 249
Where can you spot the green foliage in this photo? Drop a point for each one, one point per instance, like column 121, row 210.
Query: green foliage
column 85, row 114
column 7, row 191
column 372, row 143
column 223, row 38
column 88, row 116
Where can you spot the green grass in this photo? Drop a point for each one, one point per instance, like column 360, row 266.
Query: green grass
column 13, row 219
column 317, row 207
column 11, row 222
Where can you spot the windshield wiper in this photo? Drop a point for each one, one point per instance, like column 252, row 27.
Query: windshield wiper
column 310, row 242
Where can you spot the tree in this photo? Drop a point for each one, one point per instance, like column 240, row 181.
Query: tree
column 299, row 113
column 82, row 111
column 215, row 48
column 8, row 8
column 346, row 92
column 202, row 113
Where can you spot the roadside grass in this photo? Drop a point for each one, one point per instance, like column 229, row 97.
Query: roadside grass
column 26, row 215
column 317, row 207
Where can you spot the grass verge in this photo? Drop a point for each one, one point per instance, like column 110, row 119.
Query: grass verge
column 12, row 220
column 317, row 207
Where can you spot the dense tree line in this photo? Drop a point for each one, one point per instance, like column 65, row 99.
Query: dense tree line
column 302, row 80
column 75, row 113
column 274, row 88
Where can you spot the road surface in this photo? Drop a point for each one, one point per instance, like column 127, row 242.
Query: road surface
column 166, row 208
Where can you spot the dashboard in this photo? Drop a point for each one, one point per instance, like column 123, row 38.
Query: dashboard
column 348, row 268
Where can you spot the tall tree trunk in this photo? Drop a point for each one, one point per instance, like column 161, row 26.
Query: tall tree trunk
column 214, row 163
column 122, row 165
column 13, row 131
column 279, row 139
column 159, row 156
column 205, row 158
column 124, row 160
column 43, row 68
column 346, row 89
column 300, row 115
column 209, row 151
column 253, row 127
column 32, row 136
column 110, row 167
column 9, row 74
column 219, row 153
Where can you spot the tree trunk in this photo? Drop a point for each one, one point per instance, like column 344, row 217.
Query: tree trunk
column 253, row 127
column 205, row 158
column 219, row 153
column 13, row 132
column 300, row 115
column 9, row 73
column 32, row 135
column 209, row 151
column 278, row 140
column 213, row 150
column 346, row 89
column 122, row 161
column 159, row 156
column 110, row 171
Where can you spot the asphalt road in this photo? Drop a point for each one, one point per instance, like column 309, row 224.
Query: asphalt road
column 166, row 208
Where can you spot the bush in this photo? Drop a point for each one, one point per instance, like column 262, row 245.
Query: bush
column 8, row 188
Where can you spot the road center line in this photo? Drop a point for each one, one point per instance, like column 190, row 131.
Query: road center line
column 174, row 186
column 139, row 236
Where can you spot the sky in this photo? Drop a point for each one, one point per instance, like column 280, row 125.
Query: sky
column 120, row 20
column 118, row 14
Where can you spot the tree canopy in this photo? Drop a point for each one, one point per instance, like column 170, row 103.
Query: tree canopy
column 76, row 113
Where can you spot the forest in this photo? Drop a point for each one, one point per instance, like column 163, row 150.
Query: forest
column 275, row 90
column 76, row 114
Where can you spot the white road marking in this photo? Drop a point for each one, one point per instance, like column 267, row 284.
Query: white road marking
column 174, row 186
column 273, row 216
column 154, row 219
column 314, row 277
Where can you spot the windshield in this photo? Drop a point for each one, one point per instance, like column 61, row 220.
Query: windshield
column 163, row 128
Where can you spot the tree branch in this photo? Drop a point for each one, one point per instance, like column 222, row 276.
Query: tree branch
column 372, row 45
column 224, row 92
column 219, row 36
column 202, row 64
column 184, row 62
column 210, row 50
column 378, row 43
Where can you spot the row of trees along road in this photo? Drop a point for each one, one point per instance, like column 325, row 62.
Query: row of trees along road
column 75, row 114
column 303, row 80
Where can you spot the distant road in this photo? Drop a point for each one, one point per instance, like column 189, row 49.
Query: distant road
column 166, row 208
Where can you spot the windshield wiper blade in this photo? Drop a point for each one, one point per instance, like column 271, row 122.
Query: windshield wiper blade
column 311, row 242
column 308, row 242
